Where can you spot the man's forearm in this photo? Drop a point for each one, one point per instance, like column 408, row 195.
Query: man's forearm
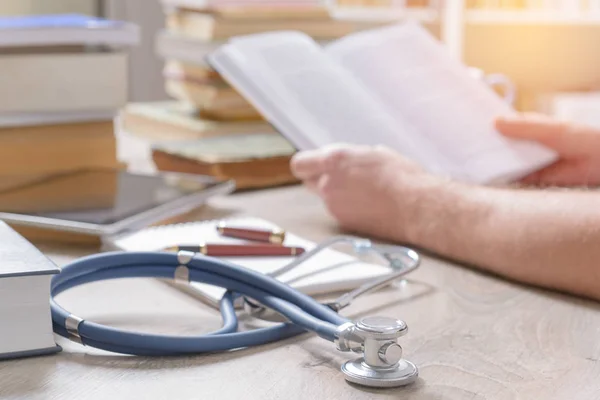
column 546, row 238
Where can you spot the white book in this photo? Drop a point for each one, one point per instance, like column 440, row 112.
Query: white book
column 9, row 120
column 327, row 272
column 70, row 82
column 25, row 274
column 396, row 86
column 66, row 29
column 170, row 45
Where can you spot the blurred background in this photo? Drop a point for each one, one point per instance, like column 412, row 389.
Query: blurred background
column 174, row 113
column 545, row 46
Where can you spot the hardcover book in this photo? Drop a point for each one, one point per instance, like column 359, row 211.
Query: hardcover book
column 65, row 29
column 178, row 120
column 253, row 161
column 25, row 274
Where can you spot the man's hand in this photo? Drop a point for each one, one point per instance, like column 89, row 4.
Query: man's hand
column 370, row 190
column 577, row 146
column 545, row 238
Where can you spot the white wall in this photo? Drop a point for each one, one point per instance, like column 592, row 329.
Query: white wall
column 145, row 77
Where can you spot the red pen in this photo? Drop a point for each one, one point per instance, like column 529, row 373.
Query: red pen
column 239, row 250
column 275, row 236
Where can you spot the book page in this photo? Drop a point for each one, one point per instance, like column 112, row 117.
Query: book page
column 311, row 99
column 414, row 77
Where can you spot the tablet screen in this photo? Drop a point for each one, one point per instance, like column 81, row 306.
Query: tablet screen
column 95, row 196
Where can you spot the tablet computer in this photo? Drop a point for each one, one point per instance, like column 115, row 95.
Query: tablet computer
column 104, row 202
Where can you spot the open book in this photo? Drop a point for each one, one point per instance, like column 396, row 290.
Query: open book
column 396, row 86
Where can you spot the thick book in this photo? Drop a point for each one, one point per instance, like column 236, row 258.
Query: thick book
column 171, row 45
column 25, row 274
column 173, row 120
column 44, row 150
column 396, row 86
column 207, row 27
column 66, row 29
column 205, row 89
column 9, row 120
column 61, row 193
column 203, row 95
column 69, row 82
column 243, row 113
column 262, row 10
column 253, row 161
column 199, row 74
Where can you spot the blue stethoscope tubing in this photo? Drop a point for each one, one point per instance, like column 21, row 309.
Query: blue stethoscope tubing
column 304, row 313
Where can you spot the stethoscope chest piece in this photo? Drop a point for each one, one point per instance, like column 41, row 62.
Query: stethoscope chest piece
column 382, row 364
column 403, row 373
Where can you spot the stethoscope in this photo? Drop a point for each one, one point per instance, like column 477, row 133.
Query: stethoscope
column 381, row 365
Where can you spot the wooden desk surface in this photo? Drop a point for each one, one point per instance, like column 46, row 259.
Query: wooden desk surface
column 473, row 336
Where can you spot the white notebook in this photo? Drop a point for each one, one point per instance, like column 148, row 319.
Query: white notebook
column 329, row 271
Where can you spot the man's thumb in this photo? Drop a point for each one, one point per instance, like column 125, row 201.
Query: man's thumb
column 535, row 127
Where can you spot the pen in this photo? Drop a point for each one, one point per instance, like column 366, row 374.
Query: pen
column 275, row 236
column 240, row 250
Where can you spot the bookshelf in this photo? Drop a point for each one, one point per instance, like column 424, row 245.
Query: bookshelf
column 423, row 14
column 532, row 17
column 453, row 16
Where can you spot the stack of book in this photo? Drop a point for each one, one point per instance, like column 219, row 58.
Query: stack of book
column 205, row 106
column 63, row 79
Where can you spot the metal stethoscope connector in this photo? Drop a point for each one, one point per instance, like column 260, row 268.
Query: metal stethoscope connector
column 375, row 337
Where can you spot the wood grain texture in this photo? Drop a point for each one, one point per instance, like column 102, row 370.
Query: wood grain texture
column 473, row 336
